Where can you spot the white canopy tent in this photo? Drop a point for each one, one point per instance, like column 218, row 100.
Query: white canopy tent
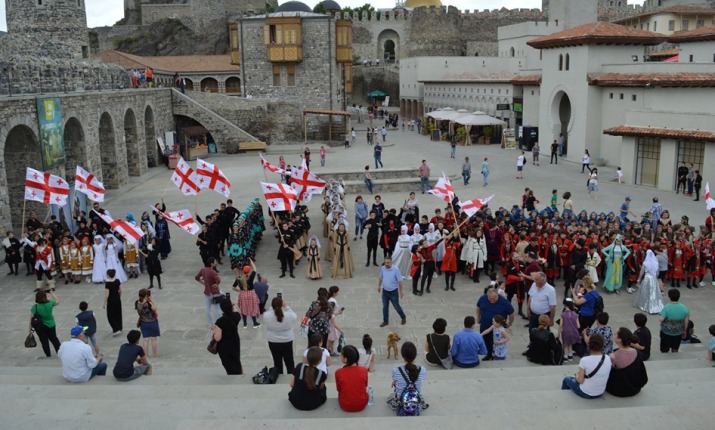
column 476, row 119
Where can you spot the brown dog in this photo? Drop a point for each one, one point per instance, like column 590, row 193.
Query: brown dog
column 392, row 339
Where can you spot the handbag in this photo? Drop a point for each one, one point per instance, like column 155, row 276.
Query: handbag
column 261, row 377
column 341, row 343
column 447, row 362
column 30, row 341
column 217, row 298
column 304, row 326
column 213, row 346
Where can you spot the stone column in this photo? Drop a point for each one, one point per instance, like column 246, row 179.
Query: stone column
column 402, row 107
column 420, row 110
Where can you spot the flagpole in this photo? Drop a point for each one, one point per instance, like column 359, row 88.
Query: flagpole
column 24, row 205
column 275, row 221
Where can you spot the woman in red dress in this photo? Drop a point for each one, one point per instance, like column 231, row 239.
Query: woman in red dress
column 449, row 262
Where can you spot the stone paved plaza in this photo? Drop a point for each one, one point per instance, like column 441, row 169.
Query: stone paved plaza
column 189, row 388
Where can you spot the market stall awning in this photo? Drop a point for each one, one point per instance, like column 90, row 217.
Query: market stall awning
column 477, row 119
column 446, row 114
column 377, row 93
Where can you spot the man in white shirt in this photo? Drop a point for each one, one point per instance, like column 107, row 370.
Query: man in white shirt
column 78, row 362
column 542, row 300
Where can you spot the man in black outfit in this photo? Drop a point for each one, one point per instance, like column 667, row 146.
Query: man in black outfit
column 682, row 178
column 554, row 153
column 577, row 261
column 373, row 233
column 285, row 254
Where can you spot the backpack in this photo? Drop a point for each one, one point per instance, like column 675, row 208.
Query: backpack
column 409, row 404
column 598, row 305
column 36, row 321
column 557, row 353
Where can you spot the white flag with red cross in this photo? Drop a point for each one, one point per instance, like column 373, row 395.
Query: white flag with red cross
column 306, row 183
column 211, row 177
column 443, row 189
column 280, row 197
column 182, row 218
column 88, row 184
column 708, row 199
column 185, row 178
column 46, row 188
column 470, row 207
column 271, row 168
column 129, row 231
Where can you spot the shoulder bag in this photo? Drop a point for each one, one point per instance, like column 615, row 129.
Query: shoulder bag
column 447, row 362
column 30, row 341
column 600, row 363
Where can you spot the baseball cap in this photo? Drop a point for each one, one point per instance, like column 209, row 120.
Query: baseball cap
column 77, row 330
column 628, row 198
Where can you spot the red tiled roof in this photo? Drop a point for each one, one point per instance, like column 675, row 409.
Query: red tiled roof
column 326, row 112
column 177, row 63
column 652, row 79
column 527, row 80
column 698, row 35
column 596, row 33
column 665, row 53
column 663, row 133
column 677, row 10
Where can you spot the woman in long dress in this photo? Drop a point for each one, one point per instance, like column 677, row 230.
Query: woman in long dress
column 342, row 256
column 313, row 268
column 593, row 259
column 648, row 295
column 162, row 233
column 616, row 254
column 99, row 265
column 113, row 302
column 112, row 250
column 474, row 254
column 401, row 256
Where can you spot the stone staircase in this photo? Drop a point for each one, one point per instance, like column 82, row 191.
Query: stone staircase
column 679, row 392
column 225, row 133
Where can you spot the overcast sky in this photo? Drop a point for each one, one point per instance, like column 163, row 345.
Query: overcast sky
column 107, row 12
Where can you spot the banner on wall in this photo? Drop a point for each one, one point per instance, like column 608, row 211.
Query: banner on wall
column 49, row 115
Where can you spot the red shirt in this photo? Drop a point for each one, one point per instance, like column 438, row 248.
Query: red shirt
column 351, row 383
column 211, row 280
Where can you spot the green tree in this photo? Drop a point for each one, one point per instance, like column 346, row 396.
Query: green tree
column 319, row 8
column 270, row 8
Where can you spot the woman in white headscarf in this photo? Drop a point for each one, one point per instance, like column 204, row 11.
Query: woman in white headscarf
column 112, row 250
column 648, row 295
column 616, row 254
column 313, row 270
column 402, row 257
column 99, row 265
column 432, row 236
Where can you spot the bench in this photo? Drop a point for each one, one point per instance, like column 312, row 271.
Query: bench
column 251, row 146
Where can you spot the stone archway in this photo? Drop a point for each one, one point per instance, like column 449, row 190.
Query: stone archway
column 151, row 147
column 561, row 117
column 189, row 84
column 22, row 150
column 233, row 85
column 75, row 146
column 209, row 85
column 383, row 47
column 111, row 174
column 131, row 141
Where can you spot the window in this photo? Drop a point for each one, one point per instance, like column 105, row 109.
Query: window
column 532, row 92
column 610, row 95
column 633, row 97
column 620, row 96
column 568, row 59
column 647, row 160
column 561, row 62
column 700, row 23
column 541, row 54
column 85, row 52
column 655, row 25
column 691, row 152
column 685, row 25
column 276, row 76
column 290, row 75
column 671, row 25
column 690, row 58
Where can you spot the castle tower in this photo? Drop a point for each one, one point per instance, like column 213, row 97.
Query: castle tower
column 50, row 28
column 572, row 13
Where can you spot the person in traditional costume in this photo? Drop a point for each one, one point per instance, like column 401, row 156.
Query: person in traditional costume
column 342, row 256
column 314, row 269
column 616, row 254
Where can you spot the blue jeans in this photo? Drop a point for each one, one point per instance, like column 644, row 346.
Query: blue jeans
column 368, row 184
column 394, row 298
column 100, row 369
column 425, row 184
column 208, row 302
column 359, row 225
column 453, row 154
column 378, row 159
column 570, row 383
column 466, row 176
column 463, row 365
column 486, row 178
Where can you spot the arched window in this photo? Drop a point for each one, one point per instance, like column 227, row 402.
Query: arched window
column 566, row 66
column 511, row 52
column 561, row 62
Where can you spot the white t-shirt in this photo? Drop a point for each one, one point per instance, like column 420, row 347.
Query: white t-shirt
column 364, row 359
column 586, row 159
column 519, row 161
column 595, row 385
column 542, row 299
column 324, row 362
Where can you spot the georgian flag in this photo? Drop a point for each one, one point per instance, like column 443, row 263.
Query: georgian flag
column 306, row 183
column 271, row 168
column 443, row 189
column 185, row 178
column 280, row 197
column 182, row 218
column 128, row 231
column 210, row 176
column 708, row 199
column 470, row 207
column 88, row 184
column 46, row 188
